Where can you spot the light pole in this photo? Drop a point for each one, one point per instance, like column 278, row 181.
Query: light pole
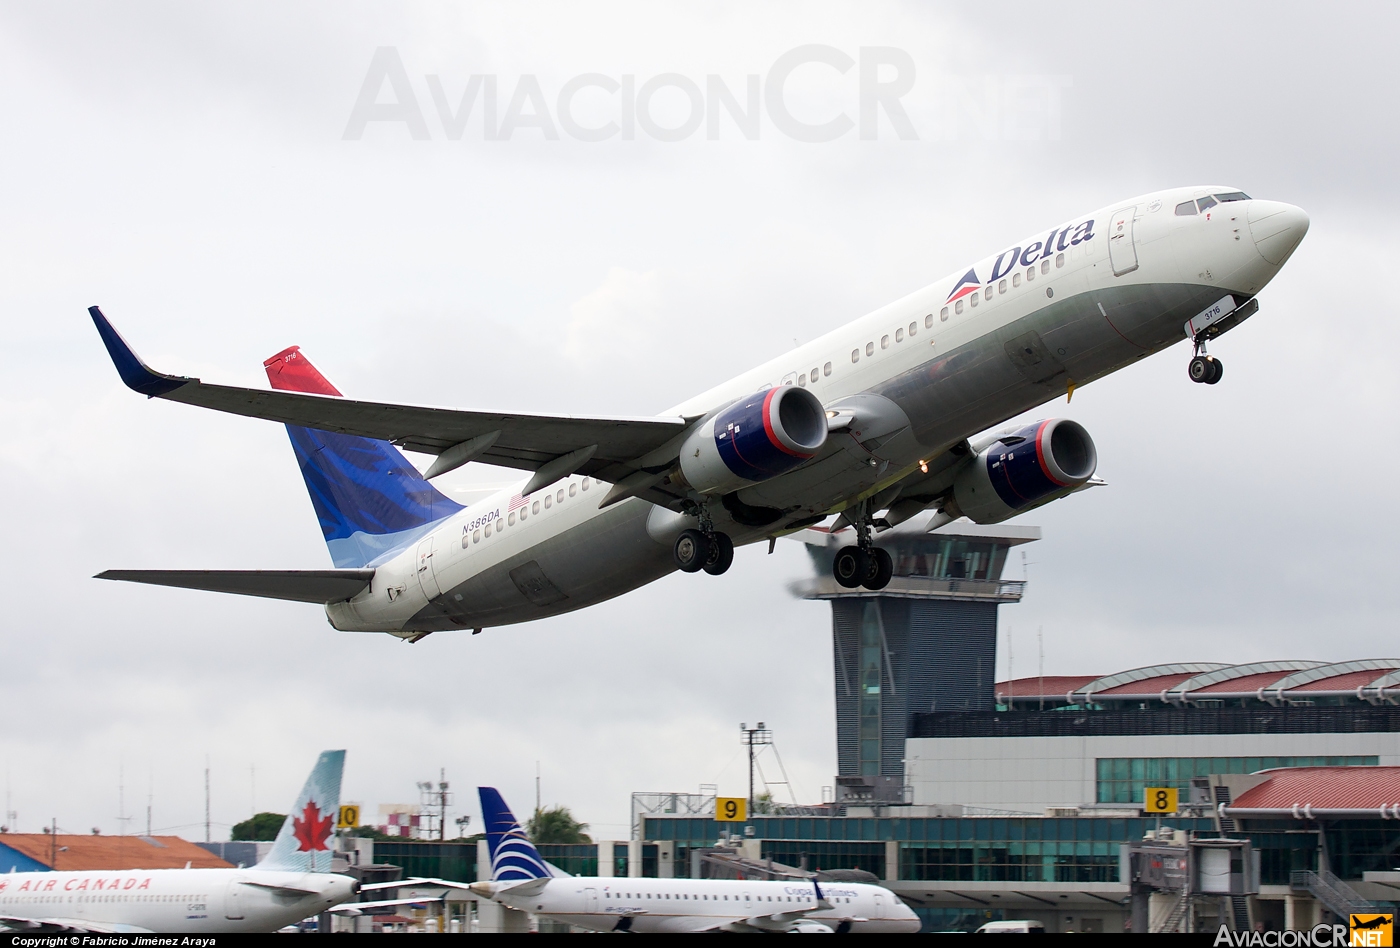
column 754, row 737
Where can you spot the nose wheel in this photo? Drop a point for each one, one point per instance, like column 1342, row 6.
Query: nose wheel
column 1205, row 369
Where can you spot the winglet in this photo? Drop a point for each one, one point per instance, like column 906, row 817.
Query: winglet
column 135, row 373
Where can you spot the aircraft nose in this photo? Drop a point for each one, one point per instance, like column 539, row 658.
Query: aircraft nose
column 1277, row 229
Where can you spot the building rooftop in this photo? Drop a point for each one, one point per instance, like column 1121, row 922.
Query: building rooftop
column 1323, row 788
column 75, row 853
column 1209, row 684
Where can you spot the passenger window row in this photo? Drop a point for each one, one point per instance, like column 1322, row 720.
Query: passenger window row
column 690, row 897
column 1001, row 287
column 525, row 511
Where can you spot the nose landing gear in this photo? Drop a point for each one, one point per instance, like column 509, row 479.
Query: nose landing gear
column 864, row 564
column 1205, row 368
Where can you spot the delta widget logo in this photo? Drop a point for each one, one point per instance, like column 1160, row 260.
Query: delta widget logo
column 968, row 285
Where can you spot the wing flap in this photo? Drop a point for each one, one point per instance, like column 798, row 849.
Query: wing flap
column 525, row 441
column 296, row 585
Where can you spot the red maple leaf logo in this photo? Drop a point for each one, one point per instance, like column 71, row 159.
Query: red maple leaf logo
column 310, row 829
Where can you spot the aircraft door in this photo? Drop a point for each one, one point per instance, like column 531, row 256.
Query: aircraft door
column 233, row 900
column 1121, row 251
column 879, row 906
column 590, row 901
column 426, row 579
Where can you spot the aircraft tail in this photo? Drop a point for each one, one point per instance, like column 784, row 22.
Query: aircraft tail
column 304, row 843
column 513, row 856
column 369, row 499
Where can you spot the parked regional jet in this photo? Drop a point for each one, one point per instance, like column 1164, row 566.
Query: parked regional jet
column 521, row 879
column 877, row 421
column 294, row 882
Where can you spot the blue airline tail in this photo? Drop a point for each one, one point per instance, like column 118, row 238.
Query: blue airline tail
column 513, row 856
column 369, row 499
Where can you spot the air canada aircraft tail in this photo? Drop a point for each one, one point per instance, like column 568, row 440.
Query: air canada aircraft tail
column 369, row 499
column 304, row 843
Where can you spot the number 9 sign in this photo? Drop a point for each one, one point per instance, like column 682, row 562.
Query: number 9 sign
column 731, row 809
column 1159, row 799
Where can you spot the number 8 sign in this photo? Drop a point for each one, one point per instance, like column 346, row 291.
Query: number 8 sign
column 731, row 809
column 1159, row 799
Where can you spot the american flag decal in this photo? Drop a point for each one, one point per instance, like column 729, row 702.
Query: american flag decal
column 516, row 501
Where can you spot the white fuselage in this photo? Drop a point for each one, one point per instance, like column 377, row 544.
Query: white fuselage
column 172, row 900
column 943, row 365
column 684, row 905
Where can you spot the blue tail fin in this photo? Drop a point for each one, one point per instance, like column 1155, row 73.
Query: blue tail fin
column 513, row 856
column 369, row 499
column 304, row 844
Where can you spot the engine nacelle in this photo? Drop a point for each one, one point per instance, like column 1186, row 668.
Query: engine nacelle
column 1024, row 469
column 756, row 438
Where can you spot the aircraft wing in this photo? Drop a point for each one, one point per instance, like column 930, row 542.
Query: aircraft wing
column 297, row 585
column 57, row 925
column 602, row 447
column 358, row 908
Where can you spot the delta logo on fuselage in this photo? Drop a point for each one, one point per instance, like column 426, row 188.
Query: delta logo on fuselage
column 1016, row 257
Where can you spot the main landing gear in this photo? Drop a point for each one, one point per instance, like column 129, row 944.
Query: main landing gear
column 864, row 564
column 703, row 549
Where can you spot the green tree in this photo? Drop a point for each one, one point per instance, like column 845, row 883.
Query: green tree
column 556, row 824
column 263, row 827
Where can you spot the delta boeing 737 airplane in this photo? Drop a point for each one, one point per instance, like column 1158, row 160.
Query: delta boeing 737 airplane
column 877, row 422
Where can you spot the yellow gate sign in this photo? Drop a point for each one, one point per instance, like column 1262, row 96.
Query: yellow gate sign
column 1159, row 800
column 731, row 809
column 348, row 817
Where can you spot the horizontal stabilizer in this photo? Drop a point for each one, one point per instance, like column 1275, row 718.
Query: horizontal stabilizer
column 297, row 585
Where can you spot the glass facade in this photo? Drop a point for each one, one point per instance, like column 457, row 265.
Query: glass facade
column 1358, row 846
column 1122, row 779
column 450, row 860
column 871, row 665
column 577, row 859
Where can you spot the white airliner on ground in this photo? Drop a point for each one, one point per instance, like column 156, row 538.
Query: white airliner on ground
column 294, row 882
column 876, row 421
column 522, row 880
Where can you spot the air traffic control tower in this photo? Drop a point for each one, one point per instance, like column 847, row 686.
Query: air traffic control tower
column 926, row 642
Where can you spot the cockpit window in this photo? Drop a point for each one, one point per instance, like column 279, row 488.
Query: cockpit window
column 1186, row 209
column 1206, row 203
column 1232, row 196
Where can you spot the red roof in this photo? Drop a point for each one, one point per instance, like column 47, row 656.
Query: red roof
column 1357, row 788
column 1148, row 686
column 1053, row 685
column 112, row 852
column 1348, row 682
column 1246, row 684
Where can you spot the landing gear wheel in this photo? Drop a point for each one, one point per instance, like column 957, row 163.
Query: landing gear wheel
column 721, row 554
column 850, row 567
column 692, row 551
column 1200, row 369
column 880, row 570
column 1218, row 368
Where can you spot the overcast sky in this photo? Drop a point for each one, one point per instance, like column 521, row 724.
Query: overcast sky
column 194, row 169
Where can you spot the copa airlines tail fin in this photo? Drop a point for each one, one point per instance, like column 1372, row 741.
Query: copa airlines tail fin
column 303, row 845
column 513, row 856
column 369, row 499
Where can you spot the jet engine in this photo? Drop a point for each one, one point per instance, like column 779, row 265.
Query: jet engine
column 757, row 437
column 1025, row 468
